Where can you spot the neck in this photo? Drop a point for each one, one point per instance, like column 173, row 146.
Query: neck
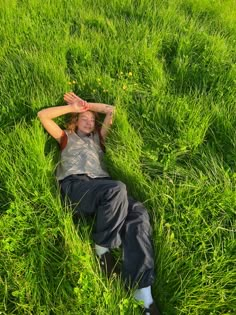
column 82, row 134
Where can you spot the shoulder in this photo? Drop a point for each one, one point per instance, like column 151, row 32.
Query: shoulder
column 99, row 140
column 96, row 137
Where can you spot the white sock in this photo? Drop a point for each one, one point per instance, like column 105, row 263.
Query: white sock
column 145, row 295
column 100, row 250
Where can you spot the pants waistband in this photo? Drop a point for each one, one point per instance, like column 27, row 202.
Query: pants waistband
column 81, row 177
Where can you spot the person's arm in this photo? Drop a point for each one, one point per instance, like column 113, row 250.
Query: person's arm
column 95, row 107
column 47, row 115
column 107, row 123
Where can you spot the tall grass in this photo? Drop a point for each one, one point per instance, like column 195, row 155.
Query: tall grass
column 169, row 68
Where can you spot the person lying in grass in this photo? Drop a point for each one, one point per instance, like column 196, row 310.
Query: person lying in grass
column 83, row 178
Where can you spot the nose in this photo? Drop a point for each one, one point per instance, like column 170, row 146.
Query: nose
column 89, row 123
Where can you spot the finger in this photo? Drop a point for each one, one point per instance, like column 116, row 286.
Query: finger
column 76, row 96
column 68, row 93
column 85, row 107
column 71, row 95
column 69, row 98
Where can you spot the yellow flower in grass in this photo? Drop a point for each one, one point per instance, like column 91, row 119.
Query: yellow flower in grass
column 73, row 81
column 124, row 87
column 69, row 83
column 130, row 74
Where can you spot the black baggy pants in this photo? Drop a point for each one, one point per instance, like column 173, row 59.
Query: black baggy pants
column 120, row 220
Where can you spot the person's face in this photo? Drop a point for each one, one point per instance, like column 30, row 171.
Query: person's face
column 86, row 122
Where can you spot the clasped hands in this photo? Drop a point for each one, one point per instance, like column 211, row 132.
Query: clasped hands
column 78, row 104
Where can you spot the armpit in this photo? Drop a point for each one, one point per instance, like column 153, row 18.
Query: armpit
column 63, row 141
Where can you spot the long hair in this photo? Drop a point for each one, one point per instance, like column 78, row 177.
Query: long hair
column 72, row 126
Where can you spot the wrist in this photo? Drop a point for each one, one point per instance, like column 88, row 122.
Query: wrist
column 87, row 105
column 71, row 108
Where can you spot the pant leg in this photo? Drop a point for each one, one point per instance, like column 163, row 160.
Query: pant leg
column 105, row 198
column 138, row 257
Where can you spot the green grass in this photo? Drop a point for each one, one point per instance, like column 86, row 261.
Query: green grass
column 169, row 68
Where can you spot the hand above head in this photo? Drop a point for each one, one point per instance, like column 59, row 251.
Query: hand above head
column 77, row 103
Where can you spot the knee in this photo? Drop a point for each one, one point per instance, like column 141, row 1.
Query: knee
column 138, row 210
column 119, row 188
column 117, row 194
column 144, row 216
column 145, row 225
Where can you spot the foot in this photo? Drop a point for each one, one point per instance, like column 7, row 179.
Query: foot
column 108, row 264
column 152, row 310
